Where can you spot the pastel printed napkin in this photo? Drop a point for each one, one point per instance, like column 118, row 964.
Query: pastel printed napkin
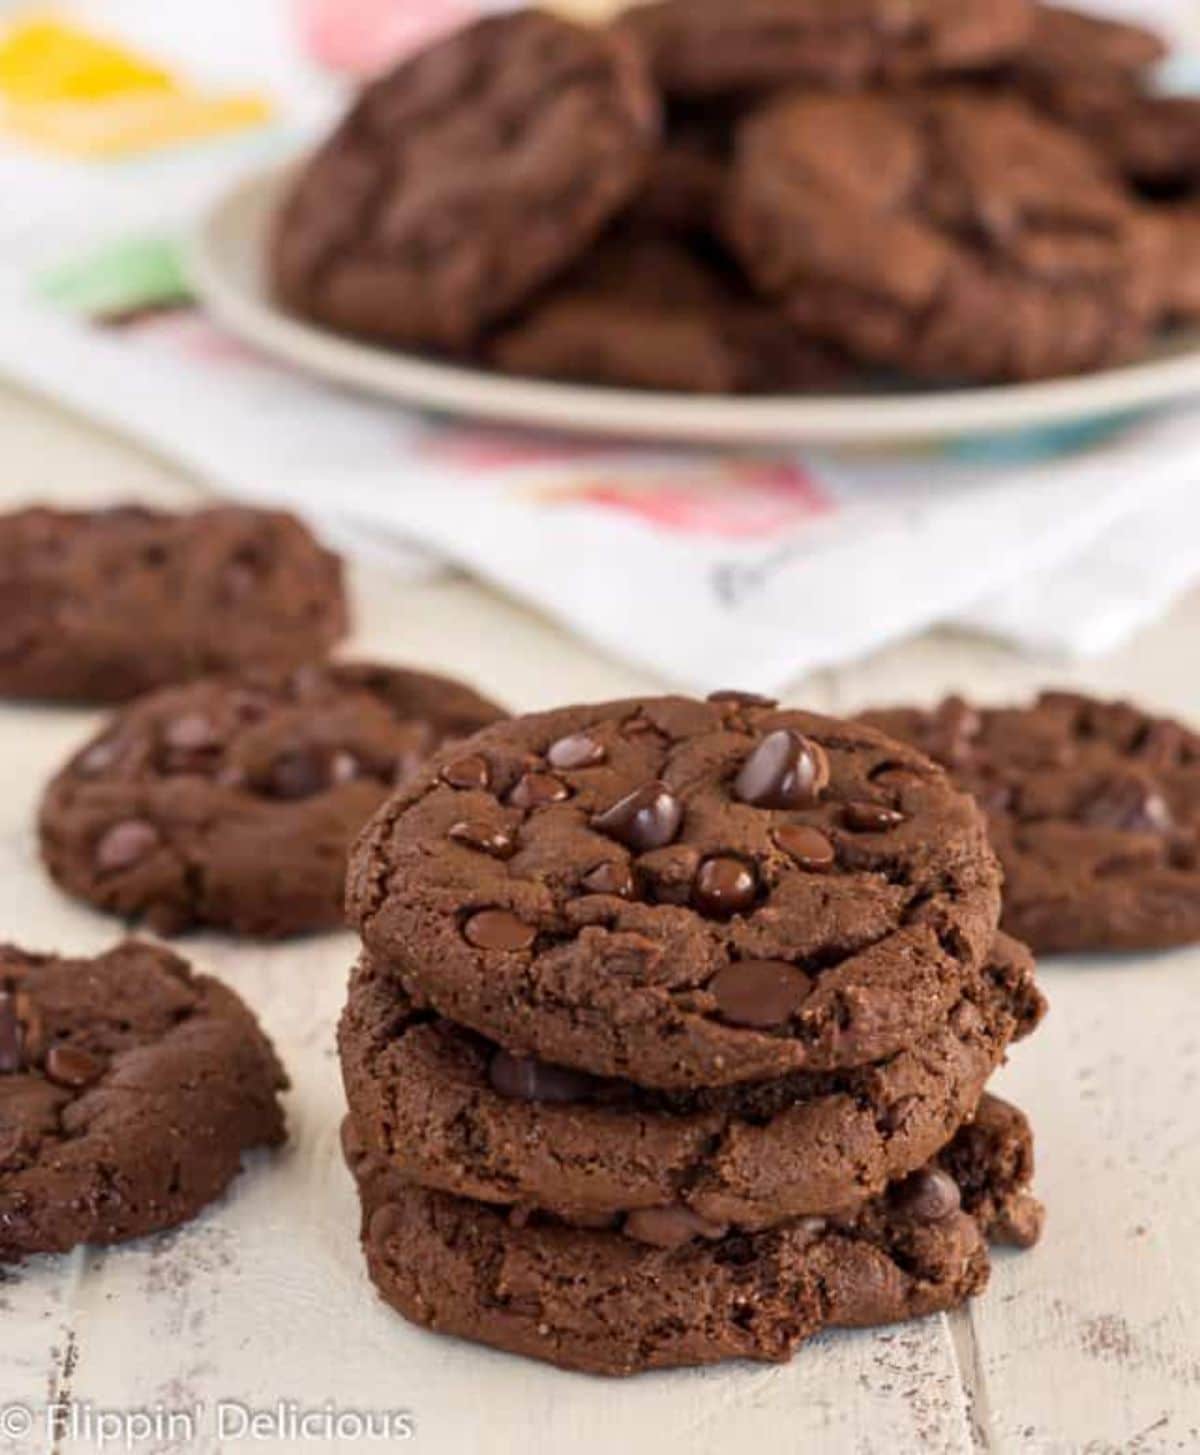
column 703, row 567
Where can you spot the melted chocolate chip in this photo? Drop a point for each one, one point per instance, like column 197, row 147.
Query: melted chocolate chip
column 670, row 1227
column 486, row 837
column 762, row 994
column 742, row 699
column 469, row 772
column 576, row 751
column 12, row 1037
column 99, row 758
column 724, row 887
column 299, row 773
column 807, row 846
column 536, row 790
column 928, row 1196
column 123, row 845
column 73, row 1066
column 785, row 770
column 610, row 877
column 498, row 929
column 648, row 818
column 870, row 818
column 525, row 1079
column 1128, row 804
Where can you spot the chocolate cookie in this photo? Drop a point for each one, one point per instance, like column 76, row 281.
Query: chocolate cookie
column 713, row 47
column 234, row 801
column 676, row 1290
column 129, row 1090
column 451, row 1111
column 1094, row 809
column 681, row 893
column 947, row 234
column 464, row 179
column 98, row 606
column 651, row 312
column 1094, row 75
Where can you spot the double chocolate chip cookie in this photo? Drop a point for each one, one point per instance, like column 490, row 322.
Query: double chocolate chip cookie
column 1094, row 810
column 233, row 801
column 130, row 1089
column 678, row 1290
column 682, row 893
column 670, row 1034
column 466, row 178
column 448, row 1109
column 947, row 234
column 99, row 606
column 716, row 47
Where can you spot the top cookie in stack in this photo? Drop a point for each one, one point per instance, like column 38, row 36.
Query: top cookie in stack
column 759, row 196
column 689, row 1006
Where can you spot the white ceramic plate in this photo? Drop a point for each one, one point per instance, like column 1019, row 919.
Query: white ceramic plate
column 226, row 266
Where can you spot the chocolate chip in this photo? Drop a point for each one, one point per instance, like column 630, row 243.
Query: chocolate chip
column 577, row 751
column 670, row 1227
column 648, row 818
column 742, row 699
column 12, row 1036
column 807, row 846
column 525, row 1079
column 1128, row 804
column 121, row 846
column 928, row 1195
column 299, row 773
column 610, row 877
column 870, row 818
column 486, row 837
column 497, row 929
column 191, row 733
column 536, row 790
column 785, row 770
column 759, row 993
column 724, row 887
column 73, row 1066
column 469, row 772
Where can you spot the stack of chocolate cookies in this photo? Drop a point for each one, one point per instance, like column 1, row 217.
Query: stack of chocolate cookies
column 732, row 197
column 670, row 1036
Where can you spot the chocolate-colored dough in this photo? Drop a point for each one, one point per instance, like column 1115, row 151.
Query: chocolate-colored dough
column 99, row 606
column 233, row 801
column 129, row 1090
column 579, row 937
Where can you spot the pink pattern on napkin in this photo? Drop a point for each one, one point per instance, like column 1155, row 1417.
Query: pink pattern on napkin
column 360, row 37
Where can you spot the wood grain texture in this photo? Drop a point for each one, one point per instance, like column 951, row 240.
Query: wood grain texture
column 1089, row 1344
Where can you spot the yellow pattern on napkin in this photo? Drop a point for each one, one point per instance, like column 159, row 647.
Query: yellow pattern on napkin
column 72, row 92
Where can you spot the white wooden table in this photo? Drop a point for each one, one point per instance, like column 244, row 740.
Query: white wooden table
column 1091, row 1343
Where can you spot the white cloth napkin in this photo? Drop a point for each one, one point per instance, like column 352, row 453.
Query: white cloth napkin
column 705, row 568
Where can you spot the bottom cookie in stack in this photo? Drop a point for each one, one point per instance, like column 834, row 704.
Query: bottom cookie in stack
column 606, row 1302
column 612, row 1228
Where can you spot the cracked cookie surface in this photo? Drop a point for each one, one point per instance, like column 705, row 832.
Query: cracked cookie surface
column 681, row 893
column 99, row 606
column 129, row 1090
column 948, row 234
column 233, row 802
column 451, row 1111
column 1094, row 810
column 670, row 1292
column 712, row 47
column 466, row 178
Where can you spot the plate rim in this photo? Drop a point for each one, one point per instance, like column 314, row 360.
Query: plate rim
column 667, row 418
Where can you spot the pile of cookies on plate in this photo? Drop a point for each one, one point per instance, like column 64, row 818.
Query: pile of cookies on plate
column 769, row 197
column 671, row 1031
